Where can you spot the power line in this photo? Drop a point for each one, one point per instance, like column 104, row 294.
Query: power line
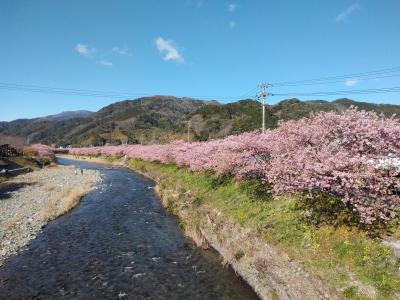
column 359, row 78
column 14, row 85
column 76, row 92
column 128, row 95
column 61, row 92
column 343, row 92
column 249, row 92
column 91, row 93
column 364, row 75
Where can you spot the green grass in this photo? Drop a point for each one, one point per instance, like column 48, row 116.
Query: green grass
column 111, row 158
column 239, row 254
column 20, row 162
column 331, row 252
column 25, row 161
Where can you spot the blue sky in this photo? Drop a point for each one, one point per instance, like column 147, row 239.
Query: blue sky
column 196, row 48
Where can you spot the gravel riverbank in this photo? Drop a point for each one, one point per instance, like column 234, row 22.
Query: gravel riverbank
column 29, row 201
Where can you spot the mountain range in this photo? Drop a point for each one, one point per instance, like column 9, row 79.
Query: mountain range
column 66, row 115
column 161, row 119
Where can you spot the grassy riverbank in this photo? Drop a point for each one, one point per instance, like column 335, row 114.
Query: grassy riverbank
column 345, row 258
column 20, row 162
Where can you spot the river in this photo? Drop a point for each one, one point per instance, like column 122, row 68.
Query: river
column 118, row 243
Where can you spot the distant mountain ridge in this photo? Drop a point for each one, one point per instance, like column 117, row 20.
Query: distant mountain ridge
column 161, row 119
column 66, row 115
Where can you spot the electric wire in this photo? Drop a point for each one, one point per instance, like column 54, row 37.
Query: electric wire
column 363, row 75
column 342, row 92
column 358, row 79
column 92, row 93
column 370, row 75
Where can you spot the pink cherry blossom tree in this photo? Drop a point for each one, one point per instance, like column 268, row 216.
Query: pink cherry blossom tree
column 353, row 155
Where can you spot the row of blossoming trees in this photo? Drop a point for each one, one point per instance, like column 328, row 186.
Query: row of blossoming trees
column 353, row 156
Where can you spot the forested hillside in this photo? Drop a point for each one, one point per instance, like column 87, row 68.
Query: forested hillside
column 161, row 119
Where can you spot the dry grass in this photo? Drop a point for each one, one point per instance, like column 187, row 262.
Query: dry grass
column 63, row 204
column 197, row 237
column 10, row 223
column 25, row 161
column 50, row 188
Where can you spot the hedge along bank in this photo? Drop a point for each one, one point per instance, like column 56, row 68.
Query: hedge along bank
column 353, row 156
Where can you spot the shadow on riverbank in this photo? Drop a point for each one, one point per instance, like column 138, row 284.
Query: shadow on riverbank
column 6, row 188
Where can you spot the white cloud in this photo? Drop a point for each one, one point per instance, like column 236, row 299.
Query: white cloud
column 232, row 24
column 232, row 7
column 347, row 12
column 90, row 52
column 121, row 51
column 106, row 63
column 85, row 50
column 168, row 48
column 351, row 82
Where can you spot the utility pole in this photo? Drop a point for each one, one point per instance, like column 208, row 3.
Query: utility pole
column 188, row 132
column 141, row 139
column 111, row 131
column 263, row 96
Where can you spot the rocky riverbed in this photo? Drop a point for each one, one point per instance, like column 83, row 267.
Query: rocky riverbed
column 29, row 201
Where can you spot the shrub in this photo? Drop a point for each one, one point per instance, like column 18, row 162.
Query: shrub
column 29, row 151
column 239, row 254
column 43, row 151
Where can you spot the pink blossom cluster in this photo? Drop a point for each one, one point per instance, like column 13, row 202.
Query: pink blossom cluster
column 351, row 155
column 44, row 150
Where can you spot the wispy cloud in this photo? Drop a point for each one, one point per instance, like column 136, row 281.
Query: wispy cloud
column 232, row 7
column 121, row 51
column 232, row 24
column 105, row 63
column 85, row 50
column 90, row 52
column 341, row 17
column 169, row 49
column 351, row 82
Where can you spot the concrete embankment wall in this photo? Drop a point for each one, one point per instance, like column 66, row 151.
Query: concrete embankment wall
column 272, row 274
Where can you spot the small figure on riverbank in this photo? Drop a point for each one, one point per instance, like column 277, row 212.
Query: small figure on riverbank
column 81, row 171
column 76, row 172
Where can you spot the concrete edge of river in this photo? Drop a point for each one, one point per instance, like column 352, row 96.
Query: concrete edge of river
column 28, row 202
column 272, row 274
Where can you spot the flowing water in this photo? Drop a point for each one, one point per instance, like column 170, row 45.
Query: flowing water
column 118, row 243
